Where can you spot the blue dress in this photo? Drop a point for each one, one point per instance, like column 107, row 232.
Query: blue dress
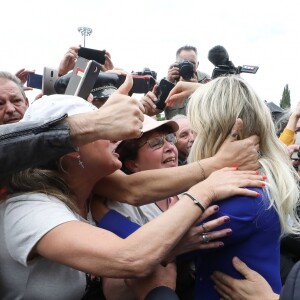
column 255, row 240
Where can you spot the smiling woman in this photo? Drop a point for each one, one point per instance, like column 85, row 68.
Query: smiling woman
column 155, row 150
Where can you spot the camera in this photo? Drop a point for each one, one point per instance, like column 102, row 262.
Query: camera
column 219, row 57
column 186, row 69
column 146, row 71
column 231, row 69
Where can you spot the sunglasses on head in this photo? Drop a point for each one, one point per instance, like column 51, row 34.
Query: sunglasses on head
column 158, row 141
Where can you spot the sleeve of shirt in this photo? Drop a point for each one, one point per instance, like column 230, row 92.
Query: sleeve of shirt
column 30, row 144
column 118, row 224
column 287, row 136
column 27, row 221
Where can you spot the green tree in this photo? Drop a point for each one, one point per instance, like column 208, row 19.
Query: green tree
column 285, row 101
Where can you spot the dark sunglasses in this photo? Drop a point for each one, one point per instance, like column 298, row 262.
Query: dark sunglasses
column 158, row 141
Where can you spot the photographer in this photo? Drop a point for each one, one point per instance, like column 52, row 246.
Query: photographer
column 184, row 69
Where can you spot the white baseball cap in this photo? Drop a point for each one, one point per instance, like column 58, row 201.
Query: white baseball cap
column 56, row 105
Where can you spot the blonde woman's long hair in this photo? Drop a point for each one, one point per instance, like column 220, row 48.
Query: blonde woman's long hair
column 213, row 110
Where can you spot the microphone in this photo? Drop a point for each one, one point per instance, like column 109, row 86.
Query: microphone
column 218, row 55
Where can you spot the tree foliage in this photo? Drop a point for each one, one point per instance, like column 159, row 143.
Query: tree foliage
column 285, row 101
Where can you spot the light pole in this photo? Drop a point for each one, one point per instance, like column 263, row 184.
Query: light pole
column 85, row 31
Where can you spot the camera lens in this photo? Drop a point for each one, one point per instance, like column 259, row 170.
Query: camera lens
column 186, row 70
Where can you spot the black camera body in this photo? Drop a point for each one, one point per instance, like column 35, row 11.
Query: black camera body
column 146, row 71
column 186, row 69
column 219, row 57
column 230, row 69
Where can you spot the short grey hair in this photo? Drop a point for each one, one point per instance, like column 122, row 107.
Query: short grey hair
column 9, row 76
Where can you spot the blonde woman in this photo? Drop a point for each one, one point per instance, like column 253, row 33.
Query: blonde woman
column 257, row 223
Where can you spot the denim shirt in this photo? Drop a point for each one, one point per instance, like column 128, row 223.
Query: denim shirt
column 30, row 144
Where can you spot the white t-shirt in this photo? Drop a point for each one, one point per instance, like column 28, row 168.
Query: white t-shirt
column 139, row 215
column 24, row 219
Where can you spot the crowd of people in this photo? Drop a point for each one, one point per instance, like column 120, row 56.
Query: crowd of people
column 100, row 199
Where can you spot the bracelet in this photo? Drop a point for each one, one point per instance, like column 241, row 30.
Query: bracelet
column 197, row 202
column 202, row 170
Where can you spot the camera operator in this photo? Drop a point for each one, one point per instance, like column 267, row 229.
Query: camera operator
column 184, row 69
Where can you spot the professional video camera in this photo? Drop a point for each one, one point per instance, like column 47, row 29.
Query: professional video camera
column 219, row 57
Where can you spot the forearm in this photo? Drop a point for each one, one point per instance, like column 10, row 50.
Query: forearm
column 152, row 185
column 85, row 129
column 292, row 122
column 119, row 258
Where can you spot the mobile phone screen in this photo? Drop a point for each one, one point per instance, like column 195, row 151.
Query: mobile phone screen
column 35, row 81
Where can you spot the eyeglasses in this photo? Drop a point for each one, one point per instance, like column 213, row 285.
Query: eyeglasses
column 158, row 141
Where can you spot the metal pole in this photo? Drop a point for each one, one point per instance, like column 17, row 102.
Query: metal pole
column 85, row 31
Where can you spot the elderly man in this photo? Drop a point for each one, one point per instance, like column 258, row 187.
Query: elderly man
column 185, row 138
column 13, row 101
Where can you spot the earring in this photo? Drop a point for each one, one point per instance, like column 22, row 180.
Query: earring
column 80, row 162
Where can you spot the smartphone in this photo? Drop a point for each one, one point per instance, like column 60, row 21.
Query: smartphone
column 296, row 154
column 141, row 83
column 92, row 54
column 162, row 92
column 83, row 78
column 50, row 76
column 35, row 80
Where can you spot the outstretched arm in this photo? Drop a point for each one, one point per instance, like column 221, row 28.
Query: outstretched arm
column 160, row 183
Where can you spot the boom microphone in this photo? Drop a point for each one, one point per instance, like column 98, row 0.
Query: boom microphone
column 218, row 55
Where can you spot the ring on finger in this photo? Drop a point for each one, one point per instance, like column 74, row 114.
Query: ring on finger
column 205, row 238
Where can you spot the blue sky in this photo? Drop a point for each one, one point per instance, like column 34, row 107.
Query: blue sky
column 145, row 33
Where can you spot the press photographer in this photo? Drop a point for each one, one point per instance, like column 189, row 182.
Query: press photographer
column 185, row 68
column 186, row 65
